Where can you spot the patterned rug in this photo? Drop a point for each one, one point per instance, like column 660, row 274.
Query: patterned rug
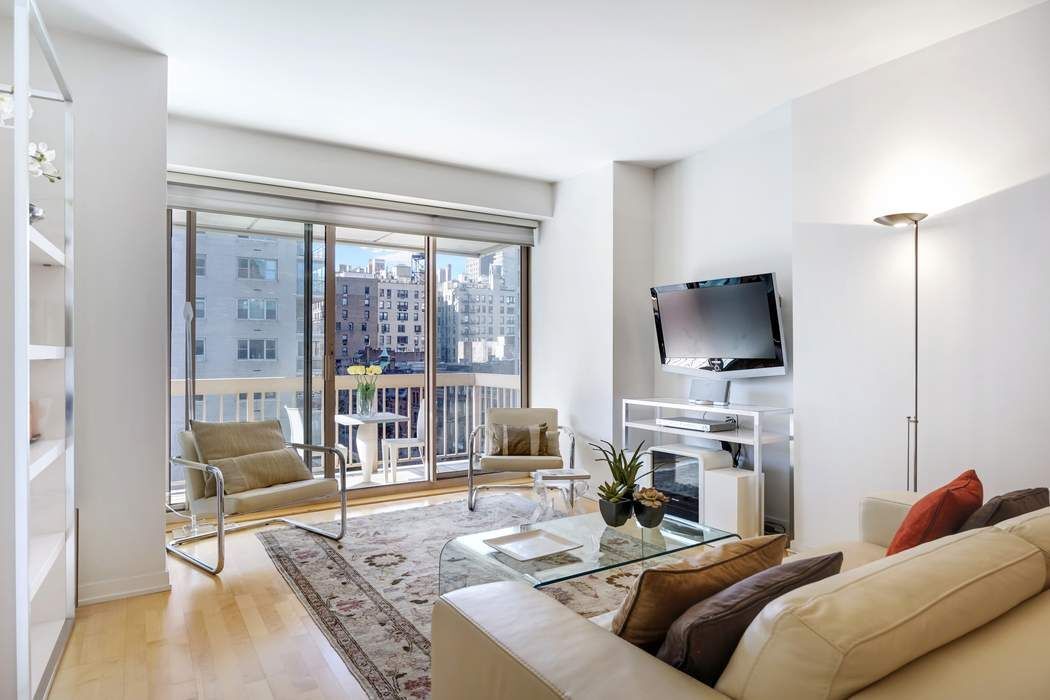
column 372, row 593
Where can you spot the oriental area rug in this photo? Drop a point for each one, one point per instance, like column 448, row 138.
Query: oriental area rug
column 372, row 593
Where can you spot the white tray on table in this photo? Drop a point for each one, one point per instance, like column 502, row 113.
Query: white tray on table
column 532, row 544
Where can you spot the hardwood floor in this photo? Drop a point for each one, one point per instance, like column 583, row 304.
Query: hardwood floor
column 242, row 634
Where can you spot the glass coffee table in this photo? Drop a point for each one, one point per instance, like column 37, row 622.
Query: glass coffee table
column 468, row 561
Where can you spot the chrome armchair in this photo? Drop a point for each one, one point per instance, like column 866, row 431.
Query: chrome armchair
column 478, row 463
column 296, row 493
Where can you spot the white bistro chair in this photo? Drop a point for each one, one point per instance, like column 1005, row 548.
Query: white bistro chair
column 295, row 431
column 392, row 446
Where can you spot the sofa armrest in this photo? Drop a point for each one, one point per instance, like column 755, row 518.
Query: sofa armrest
column 882, row 513
column 509, row 641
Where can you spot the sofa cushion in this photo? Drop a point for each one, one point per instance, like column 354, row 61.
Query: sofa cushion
column 271, row 497
column 854, row 553
column 939, row 513
column 881, row 515
column 702, row 640
column 1007, row 506
column 836, row 636
column 518, row 464
column 1033, row 528
column 260, row 469
column 993, row 661
column 662, row 593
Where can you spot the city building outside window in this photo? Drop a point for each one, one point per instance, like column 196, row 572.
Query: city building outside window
column 257, row 309
column 200, row 308
column 202, row 264
column 257, row 349
column 198, row 348
column 257, row 269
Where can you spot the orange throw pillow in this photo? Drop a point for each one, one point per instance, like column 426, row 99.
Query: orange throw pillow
column 939, row 513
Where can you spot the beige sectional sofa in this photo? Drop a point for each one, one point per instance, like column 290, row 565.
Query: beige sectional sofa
column 966, row 616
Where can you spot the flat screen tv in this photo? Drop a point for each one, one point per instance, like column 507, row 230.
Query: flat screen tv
column 724, row 329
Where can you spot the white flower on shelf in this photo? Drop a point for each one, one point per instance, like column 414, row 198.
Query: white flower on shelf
column 7, row 111
column 42, row 162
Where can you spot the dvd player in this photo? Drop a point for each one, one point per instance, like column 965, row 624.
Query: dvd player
column 701, row 425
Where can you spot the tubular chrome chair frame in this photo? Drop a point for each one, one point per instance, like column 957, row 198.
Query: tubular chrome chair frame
column 472, row 453
column 174, row 546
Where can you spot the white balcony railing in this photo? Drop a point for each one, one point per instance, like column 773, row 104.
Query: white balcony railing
column 463, row 401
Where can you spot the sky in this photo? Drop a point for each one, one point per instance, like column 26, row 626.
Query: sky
column 358, row 256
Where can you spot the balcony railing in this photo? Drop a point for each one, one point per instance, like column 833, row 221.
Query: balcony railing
column 463, row 401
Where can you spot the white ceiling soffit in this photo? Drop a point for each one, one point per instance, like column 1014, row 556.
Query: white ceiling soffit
column 546, row 88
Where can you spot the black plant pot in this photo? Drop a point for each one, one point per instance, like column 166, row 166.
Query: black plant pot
column 648, row 516
column 615, row 514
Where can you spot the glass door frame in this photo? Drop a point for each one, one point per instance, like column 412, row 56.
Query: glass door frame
column 328, row 384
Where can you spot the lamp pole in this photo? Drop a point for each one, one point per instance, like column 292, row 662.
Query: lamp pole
column 913, row 218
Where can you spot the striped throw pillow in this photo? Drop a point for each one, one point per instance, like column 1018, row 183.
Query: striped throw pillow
column 518, row 440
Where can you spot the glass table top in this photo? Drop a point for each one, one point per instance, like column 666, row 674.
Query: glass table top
column 468, row 561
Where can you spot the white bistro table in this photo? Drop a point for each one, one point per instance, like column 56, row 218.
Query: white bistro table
column 368, row 436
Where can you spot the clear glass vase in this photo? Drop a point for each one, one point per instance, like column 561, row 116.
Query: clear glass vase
column 366, row 400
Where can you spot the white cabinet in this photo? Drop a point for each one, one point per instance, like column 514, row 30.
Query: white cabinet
column 729, row 501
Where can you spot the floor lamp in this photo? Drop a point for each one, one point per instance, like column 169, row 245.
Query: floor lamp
column 898, row 220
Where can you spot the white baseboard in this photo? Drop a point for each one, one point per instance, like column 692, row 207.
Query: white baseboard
column 102, row 591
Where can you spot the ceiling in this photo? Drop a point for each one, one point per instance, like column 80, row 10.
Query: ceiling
column 544, row 88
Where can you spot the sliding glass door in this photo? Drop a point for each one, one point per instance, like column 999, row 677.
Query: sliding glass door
column 283, row 313
column 249, row 299
column 479, row 331
column 380, row 322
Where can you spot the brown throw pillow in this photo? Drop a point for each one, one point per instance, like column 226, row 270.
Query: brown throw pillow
column 703, row 639
column 262, row 469
column 222, row 440
column 661, row 594
column 518, row 440
column 1007, row 506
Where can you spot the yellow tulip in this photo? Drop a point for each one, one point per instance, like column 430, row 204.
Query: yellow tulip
column 375, row 369
column 355, row 369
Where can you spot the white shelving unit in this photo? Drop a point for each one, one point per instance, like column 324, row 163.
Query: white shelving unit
column 755, row 430
column 37, row 483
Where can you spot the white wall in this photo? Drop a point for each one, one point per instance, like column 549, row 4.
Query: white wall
column 121, row 323
column 727, row 211
column 572, row 311
column 958, row 121
column 634, row 342
column 929, row 131
column 983, row 352
column 591, row 336
column 203, row 147
column 853, row 359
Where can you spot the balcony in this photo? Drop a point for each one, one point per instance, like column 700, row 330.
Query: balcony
column 463, row 401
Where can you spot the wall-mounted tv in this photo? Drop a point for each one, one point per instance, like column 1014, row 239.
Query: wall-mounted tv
column 725, row 328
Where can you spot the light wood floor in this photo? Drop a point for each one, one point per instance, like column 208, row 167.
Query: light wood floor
column 242, row 634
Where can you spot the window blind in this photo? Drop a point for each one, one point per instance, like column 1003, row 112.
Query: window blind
column 227, row 196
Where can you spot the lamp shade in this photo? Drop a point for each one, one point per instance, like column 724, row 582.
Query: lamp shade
column 903, row 219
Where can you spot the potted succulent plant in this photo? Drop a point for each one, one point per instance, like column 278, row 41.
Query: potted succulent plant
column 649, row 506
column 615, row 498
